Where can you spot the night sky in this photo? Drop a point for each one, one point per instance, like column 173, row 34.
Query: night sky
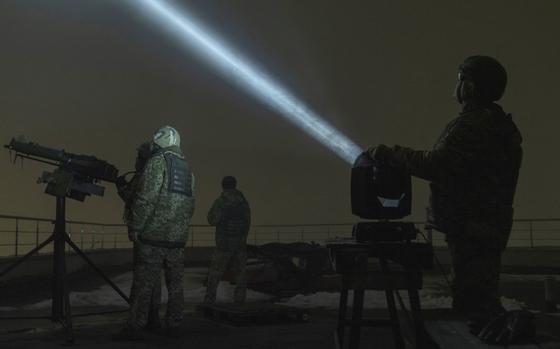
column 96, row 77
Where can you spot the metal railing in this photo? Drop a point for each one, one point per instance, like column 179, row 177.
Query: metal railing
column 19, row 234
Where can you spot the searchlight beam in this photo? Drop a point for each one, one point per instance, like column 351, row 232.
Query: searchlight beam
column 194, row 37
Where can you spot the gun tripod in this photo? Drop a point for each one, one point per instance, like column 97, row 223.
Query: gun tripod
column 61, row 311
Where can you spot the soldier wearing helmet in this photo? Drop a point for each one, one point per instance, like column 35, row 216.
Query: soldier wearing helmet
column 231, row 215
column 127, row 190
column 473, row 170
column 160, row 216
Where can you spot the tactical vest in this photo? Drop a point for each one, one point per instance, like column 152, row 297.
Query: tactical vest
column 235, row 220
column 179, row 174
column 484, row 195
column 180, row 178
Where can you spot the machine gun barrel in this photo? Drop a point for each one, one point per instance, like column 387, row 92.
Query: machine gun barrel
column 84, row 165
column 33, row 149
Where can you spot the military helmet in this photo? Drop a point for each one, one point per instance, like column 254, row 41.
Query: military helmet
column 487, row 74
column 167, row 136
column 229, row 182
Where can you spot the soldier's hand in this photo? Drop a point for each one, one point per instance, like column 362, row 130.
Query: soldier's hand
column 381, row 153
column 133, row 235
column 120, row 182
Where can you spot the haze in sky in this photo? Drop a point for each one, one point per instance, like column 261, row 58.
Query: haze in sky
column 95, row 77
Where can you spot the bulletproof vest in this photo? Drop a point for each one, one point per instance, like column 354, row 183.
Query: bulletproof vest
column 235, row 214
column 503, row 158
column 235, row 219
column 179, row 175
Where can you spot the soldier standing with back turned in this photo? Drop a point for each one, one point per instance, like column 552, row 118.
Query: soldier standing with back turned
column 473, row 170
column 127, row 190
column 161, row 214
column 231, row 216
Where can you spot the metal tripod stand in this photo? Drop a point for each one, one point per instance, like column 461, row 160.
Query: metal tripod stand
column 61, row 310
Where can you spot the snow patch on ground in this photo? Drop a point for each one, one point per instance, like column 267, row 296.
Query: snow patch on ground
column 7, row 308
column 192, row 284
column 377, row 299
column 528, row 277
column 431, row 297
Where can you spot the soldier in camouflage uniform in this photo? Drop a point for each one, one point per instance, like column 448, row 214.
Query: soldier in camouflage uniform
column 160, row 215
column 231, row 216
column 127, row 191
column 473, row 170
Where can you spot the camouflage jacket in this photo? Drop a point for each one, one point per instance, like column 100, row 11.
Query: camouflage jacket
column 231, row 216
column 127, row 193
column 473, row 169
column 160, row 215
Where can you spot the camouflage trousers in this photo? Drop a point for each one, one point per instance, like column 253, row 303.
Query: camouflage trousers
column 220, row 262
column 155, row 302
column 476, row 276
column 147, row 274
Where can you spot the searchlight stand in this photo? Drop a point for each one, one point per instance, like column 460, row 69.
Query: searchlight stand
column 380, row 193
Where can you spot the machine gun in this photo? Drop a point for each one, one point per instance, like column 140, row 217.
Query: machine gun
column 76, row 175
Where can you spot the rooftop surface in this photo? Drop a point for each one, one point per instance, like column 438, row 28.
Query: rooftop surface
column 91, row 295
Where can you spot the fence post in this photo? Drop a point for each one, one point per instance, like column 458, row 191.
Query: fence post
column 531, row 234
column 36, row 233
column 549, row 295
column 17, row 238
column 192, row 236
column 430, row 235
column 69, row 233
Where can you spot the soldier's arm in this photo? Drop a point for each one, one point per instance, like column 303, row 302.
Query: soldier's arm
column 149, row 188
column 216, row 212
column 124, row 192
column 247, row 217
column 193, row 186
column 192, row 207
column 248, row 213
column 454, row 154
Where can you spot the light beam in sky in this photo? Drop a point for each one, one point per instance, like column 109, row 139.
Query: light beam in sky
column 193, row 36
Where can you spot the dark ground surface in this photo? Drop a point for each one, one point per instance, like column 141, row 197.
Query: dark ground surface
column 27, row 291
column 31, row 290
column 199, row 332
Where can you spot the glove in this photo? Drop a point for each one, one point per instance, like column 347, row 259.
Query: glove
column 381, row 153
column 133, row 235
column 120, row 182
